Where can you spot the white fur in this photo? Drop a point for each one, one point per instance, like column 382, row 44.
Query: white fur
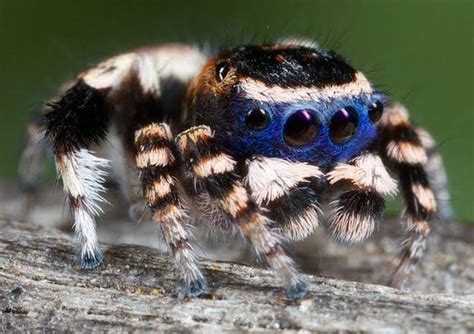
column 271, row 178
column 178, row 61
column 406, row 152
column 348, row 227
column 365, row 171
column 259, row 91
column 110, row 73
column 83, row 176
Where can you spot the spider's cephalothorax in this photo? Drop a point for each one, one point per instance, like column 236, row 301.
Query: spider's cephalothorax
column 252, row 138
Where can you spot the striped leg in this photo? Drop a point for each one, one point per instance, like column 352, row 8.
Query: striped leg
column 76, row 121
column 437, row 177
column 215, row 172
column 156, row 162
column 357, row 211
column 404, row 150
column 289, row 191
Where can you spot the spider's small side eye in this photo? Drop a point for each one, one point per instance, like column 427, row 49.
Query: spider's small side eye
column 301, row 127
column 375, row 111
column 257, row 119
column 343, row 125
column 221, row 70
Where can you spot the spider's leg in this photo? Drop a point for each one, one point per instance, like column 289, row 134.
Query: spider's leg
column 402, row 147
column 75, row 122
column 437, row 177
column 358, row 208
column 32, row 156
column 215, row 172
column 156, row 162
column 289, row 191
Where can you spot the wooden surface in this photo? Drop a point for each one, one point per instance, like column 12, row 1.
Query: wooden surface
column 134, row 290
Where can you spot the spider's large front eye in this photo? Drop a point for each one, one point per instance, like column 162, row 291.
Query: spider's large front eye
column 257, row 119
column 301, row 127
column 221, row 70
column 343, row 125
column 375, row 111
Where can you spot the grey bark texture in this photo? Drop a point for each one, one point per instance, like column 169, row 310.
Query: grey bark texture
column 134, row 290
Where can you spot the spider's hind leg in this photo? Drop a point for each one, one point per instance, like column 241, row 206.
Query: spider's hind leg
column 404, row 150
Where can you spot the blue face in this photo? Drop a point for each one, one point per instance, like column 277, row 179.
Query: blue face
column 319, row 132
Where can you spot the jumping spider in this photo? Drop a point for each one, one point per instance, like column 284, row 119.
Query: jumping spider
column 250, row 140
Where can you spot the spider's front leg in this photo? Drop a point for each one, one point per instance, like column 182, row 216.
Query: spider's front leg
column 214, row 172
column 156, row 162
column 404, row 150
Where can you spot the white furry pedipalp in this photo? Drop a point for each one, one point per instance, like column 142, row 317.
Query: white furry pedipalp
column 270, row 178
column 365, row 171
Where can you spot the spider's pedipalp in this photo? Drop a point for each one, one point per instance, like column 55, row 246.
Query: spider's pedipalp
column 404, row 149
column 289, row 190
column 215, row 173
column 156, row 162
column 356, row 212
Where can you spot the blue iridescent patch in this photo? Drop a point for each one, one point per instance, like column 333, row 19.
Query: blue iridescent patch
column 322, row 151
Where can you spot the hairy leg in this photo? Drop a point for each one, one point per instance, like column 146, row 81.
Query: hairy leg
column 156, row 162
column 215, row 172
column 403, row 149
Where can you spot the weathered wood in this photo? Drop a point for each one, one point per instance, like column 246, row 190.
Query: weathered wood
column 134, row 291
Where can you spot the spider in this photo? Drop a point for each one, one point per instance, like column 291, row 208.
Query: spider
column 252, row 140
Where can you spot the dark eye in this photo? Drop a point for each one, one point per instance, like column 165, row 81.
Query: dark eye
column 343, row 125
column 375, row 111
column 257, row 119
column 301, row 127
column 221, row 70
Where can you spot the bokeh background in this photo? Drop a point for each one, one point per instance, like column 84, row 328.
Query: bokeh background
column 420, row 51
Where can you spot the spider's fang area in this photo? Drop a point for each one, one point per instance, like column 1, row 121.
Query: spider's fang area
column 90, row 261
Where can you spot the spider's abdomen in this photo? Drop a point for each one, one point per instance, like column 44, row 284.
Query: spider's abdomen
column 287, row 101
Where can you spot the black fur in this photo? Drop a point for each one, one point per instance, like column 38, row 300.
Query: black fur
column 403, row 133
column 292, row 205
column 410, row 175
column 291, row 66
column 77, row 120
column 362, row 203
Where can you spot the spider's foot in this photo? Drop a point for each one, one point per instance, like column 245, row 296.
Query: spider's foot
column 137, row 211
column 297, row 290
column 90, row 261
column 194, row 289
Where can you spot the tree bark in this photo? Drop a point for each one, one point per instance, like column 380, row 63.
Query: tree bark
column 134, row 290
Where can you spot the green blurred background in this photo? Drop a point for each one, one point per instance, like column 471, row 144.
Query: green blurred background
column 420, row 51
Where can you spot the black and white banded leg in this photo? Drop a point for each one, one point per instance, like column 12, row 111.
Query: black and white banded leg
column 214, row 172
column 156, row 162
column 358, row 209
column 403, row 148
column 74, row 123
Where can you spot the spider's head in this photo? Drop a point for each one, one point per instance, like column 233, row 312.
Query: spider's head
column 288, row 101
